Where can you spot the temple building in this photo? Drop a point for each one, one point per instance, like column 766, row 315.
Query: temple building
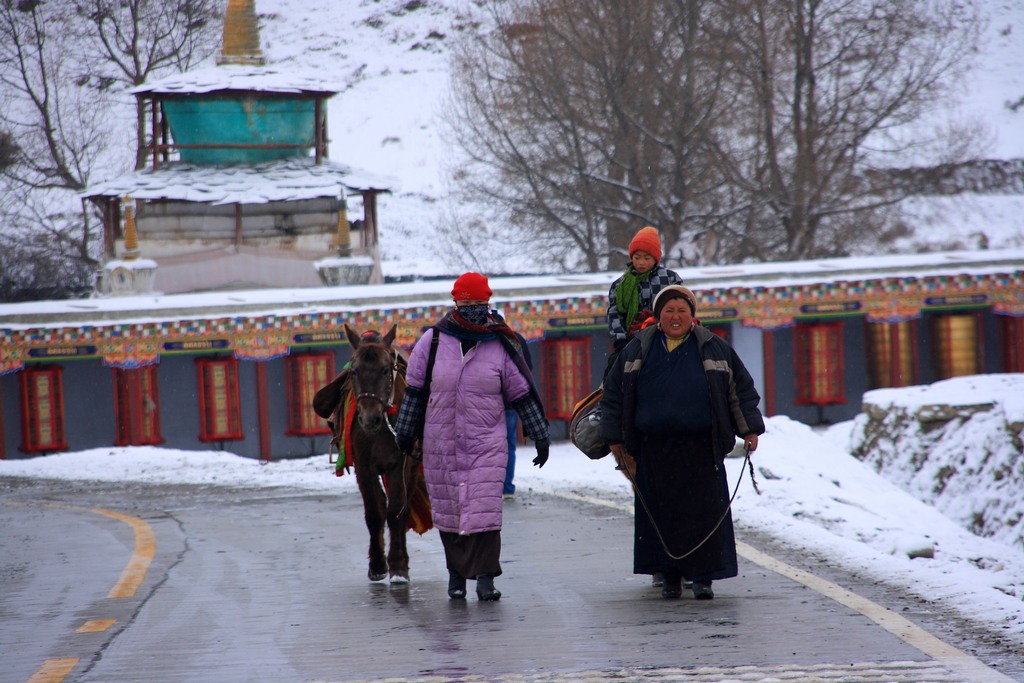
column 239, row 192
column 209, row 371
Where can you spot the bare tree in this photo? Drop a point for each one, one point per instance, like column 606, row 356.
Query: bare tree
column 43, row 253
column 127, row 41
column 8, row 149
column 63, row 108
column 55, row 119
column 61, row 134
column 742, row 129
column 584, row 121
column 836, row 87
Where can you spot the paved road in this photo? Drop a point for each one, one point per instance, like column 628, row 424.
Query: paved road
column 121, row 582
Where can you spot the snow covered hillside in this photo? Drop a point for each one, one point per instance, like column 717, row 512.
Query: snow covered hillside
column 392, row 58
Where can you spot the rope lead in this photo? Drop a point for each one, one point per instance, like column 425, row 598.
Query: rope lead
column 650, row 516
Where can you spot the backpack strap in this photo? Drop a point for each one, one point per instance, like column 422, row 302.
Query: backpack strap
column 425, row 393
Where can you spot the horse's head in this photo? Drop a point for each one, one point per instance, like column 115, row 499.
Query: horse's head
column 373, row 367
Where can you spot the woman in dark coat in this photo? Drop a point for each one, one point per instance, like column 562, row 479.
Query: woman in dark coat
column 675, row 400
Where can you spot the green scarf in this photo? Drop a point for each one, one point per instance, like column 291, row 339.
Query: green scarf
column 627, row 294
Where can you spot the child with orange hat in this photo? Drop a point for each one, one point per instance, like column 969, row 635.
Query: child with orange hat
column 631, row 296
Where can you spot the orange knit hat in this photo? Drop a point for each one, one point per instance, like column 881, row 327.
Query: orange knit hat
column 646, row 239
column 471, row 287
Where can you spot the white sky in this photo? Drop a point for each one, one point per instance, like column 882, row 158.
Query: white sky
column 814, row 496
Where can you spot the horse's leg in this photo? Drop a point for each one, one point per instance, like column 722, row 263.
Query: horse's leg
column 373, row 511
column 398, row 517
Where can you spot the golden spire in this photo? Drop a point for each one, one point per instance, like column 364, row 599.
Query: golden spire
column 241, row 41
column 131, row 235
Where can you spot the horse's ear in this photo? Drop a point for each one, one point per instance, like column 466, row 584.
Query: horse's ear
column 390, row 336
column 353, row 338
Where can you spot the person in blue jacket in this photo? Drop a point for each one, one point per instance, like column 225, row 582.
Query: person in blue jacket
column 675, row 400
column 512, row 428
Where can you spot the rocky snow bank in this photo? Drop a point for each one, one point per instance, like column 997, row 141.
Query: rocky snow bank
column 957, row 445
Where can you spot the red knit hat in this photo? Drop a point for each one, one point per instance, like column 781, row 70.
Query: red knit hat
column 470, row 287
column 646, row 239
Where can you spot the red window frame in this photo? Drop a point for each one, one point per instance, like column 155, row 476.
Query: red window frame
column 137, row 407
column 721, row 331
column 220, row 410
column 42, row 409
column 304, row 375
column 819, row 363
column 565, row 373
column 1011, row 342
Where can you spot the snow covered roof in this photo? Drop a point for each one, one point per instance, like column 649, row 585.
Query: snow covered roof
column 264, row 78
column 285, row 180
column 281, row 302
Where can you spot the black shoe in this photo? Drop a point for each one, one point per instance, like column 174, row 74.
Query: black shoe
column 672, row 587
column 485, row 589
column 658, row 579
column 456, row 586
column 702, row 590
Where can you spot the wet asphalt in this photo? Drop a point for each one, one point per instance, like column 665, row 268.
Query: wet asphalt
column 270, row 585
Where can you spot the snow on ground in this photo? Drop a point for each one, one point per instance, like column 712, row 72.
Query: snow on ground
column 814, row 497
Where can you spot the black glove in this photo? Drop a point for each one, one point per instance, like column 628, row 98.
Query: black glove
column 404, row 443
column 542, row 452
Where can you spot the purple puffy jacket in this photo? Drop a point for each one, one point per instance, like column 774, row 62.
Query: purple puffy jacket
column 464, row 438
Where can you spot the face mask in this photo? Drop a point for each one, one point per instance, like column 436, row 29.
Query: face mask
column 476, row 314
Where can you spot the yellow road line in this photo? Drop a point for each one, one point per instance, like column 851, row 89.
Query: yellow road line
column 132, row 576
column 145, row 548
column 53, row 670
column 96, row 625
column 955, row 660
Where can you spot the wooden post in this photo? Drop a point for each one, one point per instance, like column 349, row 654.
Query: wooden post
column 895, row 357
column 3, row 437
column 133, row 387
column 369, row 219
column 319, row 142
column 155, row 133
column 768, row 346
column 165, row 149
column 238, row 225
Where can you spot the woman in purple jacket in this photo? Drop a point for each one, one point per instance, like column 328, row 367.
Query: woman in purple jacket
column 478, row 369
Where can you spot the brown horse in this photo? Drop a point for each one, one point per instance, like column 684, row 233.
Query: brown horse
column 391, row 484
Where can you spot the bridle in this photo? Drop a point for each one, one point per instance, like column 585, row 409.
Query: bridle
column 388, row 403
column 390, row 409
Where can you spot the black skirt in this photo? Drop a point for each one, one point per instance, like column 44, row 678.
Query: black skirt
column 472, row 555
column 687, row 492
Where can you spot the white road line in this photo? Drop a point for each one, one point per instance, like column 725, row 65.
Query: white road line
column 963, row 664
